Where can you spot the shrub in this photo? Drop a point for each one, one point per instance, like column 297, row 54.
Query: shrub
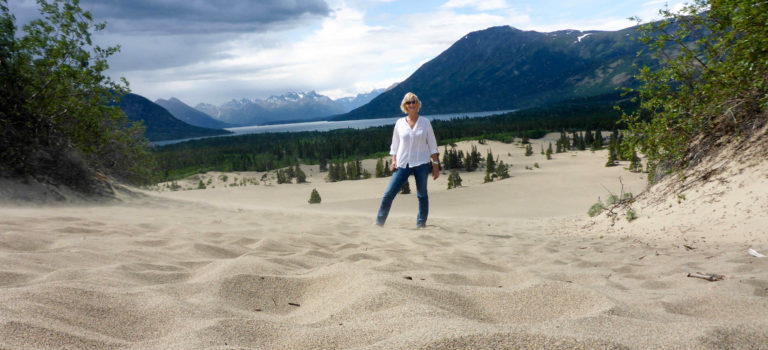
column 712, row 85
column 595, row 209
column 314, row 197
column 631, row 215
column 454, row 180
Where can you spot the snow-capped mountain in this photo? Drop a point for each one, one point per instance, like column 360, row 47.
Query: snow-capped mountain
column 289, row 107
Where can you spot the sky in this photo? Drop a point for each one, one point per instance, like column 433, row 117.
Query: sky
column 213, row 51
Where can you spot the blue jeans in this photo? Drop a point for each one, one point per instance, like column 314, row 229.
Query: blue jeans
column 421, row 173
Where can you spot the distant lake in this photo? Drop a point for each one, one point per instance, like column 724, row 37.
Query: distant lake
column 331, row 125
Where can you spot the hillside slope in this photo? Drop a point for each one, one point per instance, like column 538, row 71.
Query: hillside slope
column 506, row 68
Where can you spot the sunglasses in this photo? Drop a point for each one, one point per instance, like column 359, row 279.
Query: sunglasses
column 410, row 102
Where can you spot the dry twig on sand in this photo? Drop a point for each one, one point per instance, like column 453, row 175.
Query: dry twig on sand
column 712, row 277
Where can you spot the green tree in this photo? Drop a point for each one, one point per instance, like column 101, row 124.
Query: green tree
column 301, row 176
column 379, row 168
column 322, row 164
column 200, row 185
column 549, row 151
column 454, row 179
column 612, row 158
column 406, row 189
column 314, row 197
column 711, row 82
column 502, row 170
column 490, row 163
column 528, row 150
column 58, row 110
column 332, row 173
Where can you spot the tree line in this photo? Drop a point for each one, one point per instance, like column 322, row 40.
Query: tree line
column 262, row 152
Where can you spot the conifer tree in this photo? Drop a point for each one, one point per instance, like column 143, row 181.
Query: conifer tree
column 611, row 157
column 406, row 189
column 314, row 197
column 468, row 163
column 323, row 164
column 301, row 177
column 379, row 168
column 528, row 150
column 200, row 185
column 341, row 171
column 598, row 140
column 574, row 140
column 331, row 173
column 549, row 151
column 454, row 180
column 588, row 138
column 387, row 171
column 502, row 170
column 490, row 163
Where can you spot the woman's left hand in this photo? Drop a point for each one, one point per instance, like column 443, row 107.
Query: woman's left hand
column 435, row 171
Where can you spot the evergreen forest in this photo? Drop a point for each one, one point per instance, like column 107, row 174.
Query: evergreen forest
column 268, row 151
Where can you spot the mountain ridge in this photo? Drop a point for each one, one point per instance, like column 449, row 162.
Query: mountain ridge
column 160, row 123
column 289, row 107
column 502, row 68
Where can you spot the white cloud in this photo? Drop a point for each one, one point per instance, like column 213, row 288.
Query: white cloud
column 344, row 56
column 340, row 55
column 481, row 5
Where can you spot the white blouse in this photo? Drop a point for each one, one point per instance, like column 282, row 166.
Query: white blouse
column 413, row 147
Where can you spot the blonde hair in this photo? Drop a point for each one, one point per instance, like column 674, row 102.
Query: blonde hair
column 408, row 97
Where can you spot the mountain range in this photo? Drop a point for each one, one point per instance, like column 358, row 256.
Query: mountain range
column 191, row 116
column 290, row 107
column 502, row 68
column 498, row 68
column 161, row 124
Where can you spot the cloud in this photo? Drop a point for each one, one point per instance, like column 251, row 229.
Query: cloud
column 203, row 16
column 481, row 5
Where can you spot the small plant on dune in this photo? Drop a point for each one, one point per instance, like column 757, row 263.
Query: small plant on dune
column 614, row 203
column 596, row 209
column 200, row 185
column 631, row 214
column 314, row 197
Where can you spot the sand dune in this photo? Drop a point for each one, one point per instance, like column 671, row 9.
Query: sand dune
column 510, row 264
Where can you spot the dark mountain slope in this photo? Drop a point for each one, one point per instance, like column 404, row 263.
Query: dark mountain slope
column 161, row 125
column 506, row 68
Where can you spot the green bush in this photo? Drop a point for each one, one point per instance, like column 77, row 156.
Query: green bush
column 711, row 82
column 314, row 197
column 595, row 209
column 631, row 214
column 59, row 117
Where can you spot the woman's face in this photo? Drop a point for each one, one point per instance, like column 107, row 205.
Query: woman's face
column 411, row 105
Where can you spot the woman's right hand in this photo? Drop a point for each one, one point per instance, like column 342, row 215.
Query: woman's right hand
column 392, row 166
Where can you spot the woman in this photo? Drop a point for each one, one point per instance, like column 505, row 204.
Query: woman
column 413, row 144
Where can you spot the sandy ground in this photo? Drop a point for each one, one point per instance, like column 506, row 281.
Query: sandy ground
column 516, row 263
